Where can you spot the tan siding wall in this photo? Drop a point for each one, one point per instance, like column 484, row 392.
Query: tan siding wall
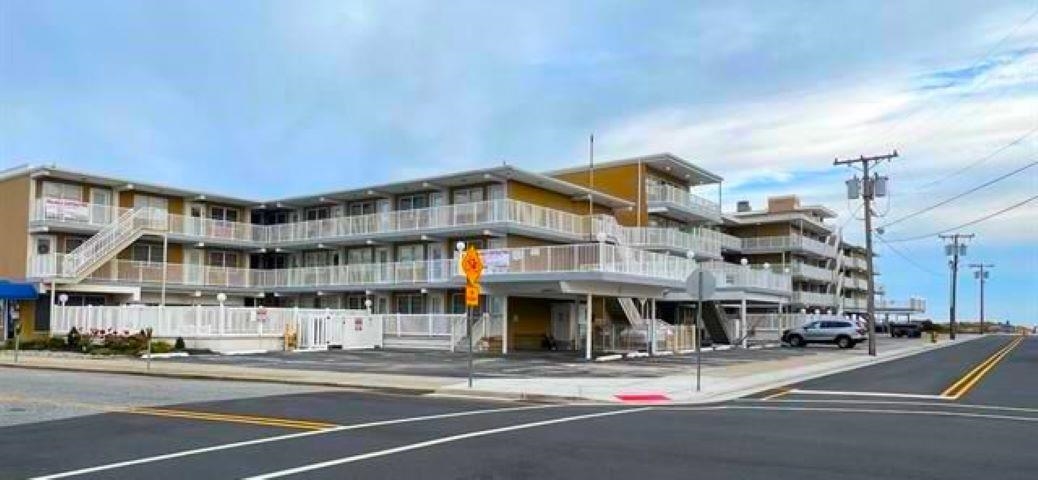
column 520, row 241
column 619, row 181
column 14, row 216
column 538, row 196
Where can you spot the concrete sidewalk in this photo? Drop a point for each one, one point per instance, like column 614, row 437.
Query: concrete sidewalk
column 719, row 382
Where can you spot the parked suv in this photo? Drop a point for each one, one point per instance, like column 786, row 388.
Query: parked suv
column 843, row 333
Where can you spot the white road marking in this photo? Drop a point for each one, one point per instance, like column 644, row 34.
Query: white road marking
column 924, row 404
column 868, row 410
column 291, row 436
column 439, row 441
column 797, row 391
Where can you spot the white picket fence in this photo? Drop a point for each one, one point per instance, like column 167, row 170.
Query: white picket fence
column 313, row 328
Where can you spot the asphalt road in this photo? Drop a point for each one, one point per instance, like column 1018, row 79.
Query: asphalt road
column 886, row 421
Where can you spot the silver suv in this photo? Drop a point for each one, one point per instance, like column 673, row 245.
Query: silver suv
column 843, row 333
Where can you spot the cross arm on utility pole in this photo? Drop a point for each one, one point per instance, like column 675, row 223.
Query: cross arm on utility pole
column 864, row 159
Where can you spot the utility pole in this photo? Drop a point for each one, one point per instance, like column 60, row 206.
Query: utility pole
column 955, row 249
column 982, row 275
column 870, row 188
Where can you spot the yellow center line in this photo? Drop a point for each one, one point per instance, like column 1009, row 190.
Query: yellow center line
column 176, row 413
column 229, row 418
column 957, row 389
column 780, row 392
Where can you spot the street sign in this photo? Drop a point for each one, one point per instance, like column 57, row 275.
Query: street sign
column 472, row 295
column 472, row 265
column 709, row 285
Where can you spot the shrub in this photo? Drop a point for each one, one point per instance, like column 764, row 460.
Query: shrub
column 72, row 339
column 161, row 347
column 55, row 343
column 179, row 344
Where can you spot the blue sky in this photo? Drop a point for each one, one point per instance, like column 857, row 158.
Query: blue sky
column 229, row 96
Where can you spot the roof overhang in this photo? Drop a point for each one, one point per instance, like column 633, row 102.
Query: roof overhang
column 665, row 162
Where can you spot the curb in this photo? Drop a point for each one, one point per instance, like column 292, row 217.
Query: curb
column 387, row 390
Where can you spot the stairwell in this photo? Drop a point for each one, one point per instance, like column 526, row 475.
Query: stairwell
column 109, row 241
column 716, row 323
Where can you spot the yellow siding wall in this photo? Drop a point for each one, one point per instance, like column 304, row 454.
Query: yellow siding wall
column 14, row 216
column 538, row 196
column 619, row 181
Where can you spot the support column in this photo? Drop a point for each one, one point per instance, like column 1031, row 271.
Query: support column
column 504, row 327
column 742, row 321
column 588, row 331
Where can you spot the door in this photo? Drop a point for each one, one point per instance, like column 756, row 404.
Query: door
column 385, row 219
column 562, row 323
column 195, row 223
column 193, row 266
column 159, row 208
column 100, row 206
column 439, row 268
column 44, row 261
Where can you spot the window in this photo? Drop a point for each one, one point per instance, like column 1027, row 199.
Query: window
column 356, row 302
column 362, row 208
column 223, row 213
column 316, row 259
column 44, row 245
column 468, row 195
column 410, row 253
column 218, row 258
column 412, row 202
column 146, row 252
column 149, row 201
column 359, row 255
column 409, row 303
column 318, row 213
column 72, row 243
column 64, row 191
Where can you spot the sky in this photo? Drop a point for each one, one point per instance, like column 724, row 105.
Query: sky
column 267, row 99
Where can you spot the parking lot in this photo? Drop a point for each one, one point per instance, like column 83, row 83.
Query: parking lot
column 521, row 364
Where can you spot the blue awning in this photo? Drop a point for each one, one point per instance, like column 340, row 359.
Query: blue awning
column 17, row 291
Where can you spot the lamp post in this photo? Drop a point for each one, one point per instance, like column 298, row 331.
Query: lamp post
column 63, row 299
column 221, row 298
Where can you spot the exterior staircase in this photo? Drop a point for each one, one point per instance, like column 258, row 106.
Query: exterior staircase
column 716, row 323
column 108, row 242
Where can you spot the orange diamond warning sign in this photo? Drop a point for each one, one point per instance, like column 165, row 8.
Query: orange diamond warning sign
column 472, row 265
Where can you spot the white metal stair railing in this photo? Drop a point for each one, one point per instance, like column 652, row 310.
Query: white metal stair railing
column 837, row 271
column 631, row 312
column 108, row 242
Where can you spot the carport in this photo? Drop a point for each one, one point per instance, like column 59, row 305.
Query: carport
column 10, row 294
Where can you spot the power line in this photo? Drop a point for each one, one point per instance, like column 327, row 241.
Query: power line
column 969, row 223
column 907, row 258
column 963, row 194
column 983, row 159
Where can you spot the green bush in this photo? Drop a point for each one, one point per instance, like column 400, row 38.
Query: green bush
column 161, row 347
column 179, row 344
column 56, row 343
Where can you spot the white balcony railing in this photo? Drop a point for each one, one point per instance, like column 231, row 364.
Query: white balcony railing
column 95, row 215
column 787, row 242
column 401, row 221
column 575, row 258
column 739, row 276
column 684, row 199
column 811, row 272
column 814, row 299
column 702, row 242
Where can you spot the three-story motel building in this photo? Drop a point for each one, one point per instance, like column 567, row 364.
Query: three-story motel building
column 619, row 240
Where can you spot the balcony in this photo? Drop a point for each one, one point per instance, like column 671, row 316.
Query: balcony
column 854, row 283
column 682, row 204
column 702, row 242
column 524, row 217
column 782, row 243
column 730, row 275
column 555, row 262
column 824, row 300
column 92, row 217
column 811, row 272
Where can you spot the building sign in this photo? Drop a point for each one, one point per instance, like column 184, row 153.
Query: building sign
column 66, row 210
column 496, row 261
